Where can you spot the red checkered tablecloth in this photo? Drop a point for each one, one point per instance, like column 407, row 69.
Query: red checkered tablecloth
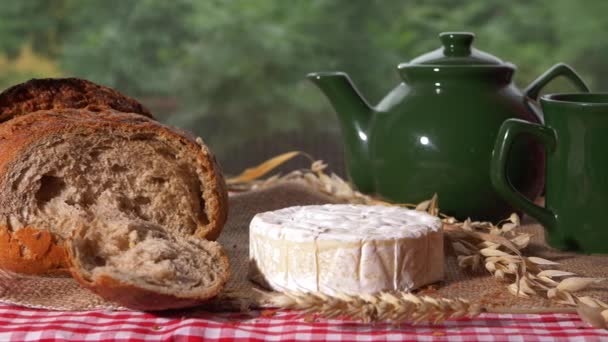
column 20, row 324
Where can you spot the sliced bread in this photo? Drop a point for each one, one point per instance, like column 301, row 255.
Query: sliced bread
column 142, row 266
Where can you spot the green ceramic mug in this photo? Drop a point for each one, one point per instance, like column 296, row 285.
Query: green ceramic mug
column 575, row 135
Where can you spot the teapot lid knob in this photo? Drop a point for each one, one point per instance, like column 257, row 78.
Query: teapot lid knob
column 457, row 49
column 457, row 44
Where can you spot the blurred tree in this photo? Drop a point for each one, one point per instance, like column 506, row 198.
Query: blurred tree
column 233, row 71
column 133, row 45
column 30, row 39
column 39, row 23
column 26, row 64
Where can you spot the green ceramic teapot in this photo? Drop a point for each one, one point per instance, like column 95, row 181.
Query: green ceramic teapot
column 434, row 132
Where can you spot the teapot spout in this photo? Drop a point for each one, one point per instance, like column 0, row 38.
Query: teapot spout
column 354, row 114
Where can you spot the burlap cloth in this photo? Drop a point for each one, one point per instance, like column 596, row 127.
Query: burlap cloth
column 63, row 293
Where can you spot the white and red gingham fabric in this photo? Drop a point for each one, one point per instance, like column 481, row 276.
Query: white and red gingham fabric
column 20, row 324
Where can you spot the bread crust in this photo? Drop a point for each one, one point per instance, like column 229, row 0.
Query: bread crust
column 138, row 298
column 63, row 93
column 21, row 132
column 30, row 250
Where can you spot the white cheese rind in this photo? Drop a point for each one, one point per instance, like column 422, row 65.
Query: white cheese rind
column 341, row 248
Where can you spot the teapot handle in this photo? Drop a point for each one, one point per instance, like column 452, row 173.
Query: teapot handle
column 533, row 90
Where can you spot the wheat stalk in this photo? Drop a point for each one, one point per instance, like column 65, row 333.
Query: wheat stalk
column 313, row 177
column 498, row 248
column 392, row 307
column 395, row 307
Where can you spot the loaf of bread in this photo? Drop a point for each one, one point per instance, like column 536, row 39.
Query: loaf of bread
column 81, row 164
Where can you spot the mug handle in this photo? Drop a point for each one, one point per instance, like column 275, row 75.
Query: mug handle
column 533, row 90
column 509, row 131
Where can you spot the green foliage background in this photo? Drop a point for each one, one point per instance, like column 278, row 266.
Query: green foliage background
column 233, row 70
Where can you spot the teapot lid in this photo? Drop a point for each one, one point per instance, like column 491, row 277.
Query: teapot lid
column 456, row 50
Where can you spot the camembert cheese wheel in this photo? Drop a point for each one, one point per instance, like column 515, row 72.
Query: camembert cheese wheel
column 341, row 248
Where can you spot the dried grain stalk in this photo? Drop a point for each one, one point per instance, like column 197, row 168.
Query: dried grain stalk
column 394, row 307
column 498, row 247
column 313, row 177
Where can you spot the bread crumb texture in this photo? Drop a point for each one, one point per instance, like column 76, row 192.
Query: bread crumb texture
column 145, row 257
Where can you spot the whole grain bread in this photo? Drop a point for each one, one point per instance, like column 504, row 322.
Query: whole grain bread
column 141, row 266
column 60, row 166
column 90, row 183
column 63, row 93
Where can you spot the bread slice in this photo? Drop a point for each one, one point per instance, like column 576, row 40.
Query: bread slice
column 63, row 166
column 63, row 93
column 141, row 266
